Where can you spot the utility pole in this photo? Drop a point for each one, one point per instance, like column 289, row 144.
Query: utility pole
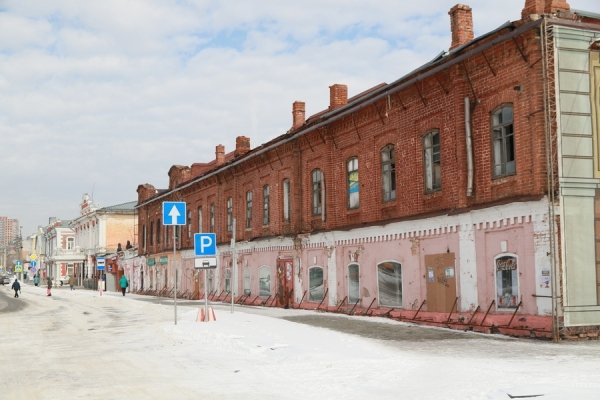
column 233, row 266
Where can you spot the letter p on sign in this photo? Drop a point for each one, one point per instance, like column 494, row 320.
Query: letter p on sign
column 205, row 244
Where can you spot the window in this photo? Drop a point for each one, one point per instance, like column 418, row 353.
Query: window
column 264, row 281
column 228, row 279
column 248, row 209
column 286, row 201
column 229, row 214
column 200, row 220
column 158, row 231
column 247, row 281
column 433, row 171
column 317, row 192
column 389, row 278
column 144, row 237
column 151, row 233
column 266, row 204
column 317, row 284
column 212, row 217
column 388, row 173
column 503, row 141
column 507, row 283
column 189, row 223
column 353, row 283
column 353, row 186
column 70, row 243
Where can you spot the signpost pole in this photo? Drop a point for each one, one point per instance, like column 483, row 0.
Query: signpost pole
column 206, row 294
column 233, row 266
column 175, row 267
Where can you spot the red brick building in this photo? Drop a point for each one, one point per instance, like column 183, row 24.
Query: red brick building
column 462, row 194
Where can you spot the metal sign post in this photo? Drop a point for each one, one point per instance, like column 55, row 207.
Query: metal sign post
column 174, row 214
column 205, row 249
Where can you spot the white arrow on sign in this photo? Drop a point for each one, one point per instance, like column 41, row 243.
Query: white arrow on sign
column 174, row 214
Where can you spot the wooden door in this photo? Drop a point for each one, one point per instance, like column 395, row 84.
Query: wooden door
column 285, row 282
column 441, row 282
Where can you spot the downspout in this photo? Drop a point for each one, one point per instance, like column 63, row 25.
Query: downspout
column 469, row 144
column 547, row 57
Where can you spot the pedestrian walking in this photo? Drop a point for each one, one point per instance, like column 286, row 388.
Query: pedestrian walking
column 72, row 282
column 49, row 291
column 16, row 286
column 124, row 283
column 36, row 279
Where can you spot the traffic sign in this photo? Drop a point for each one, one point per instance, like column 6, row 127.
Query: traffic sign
column 32, row 263
column 205, row 263
column 205, row 244
column 173, row 213
column 100, row 263
column 33, row 257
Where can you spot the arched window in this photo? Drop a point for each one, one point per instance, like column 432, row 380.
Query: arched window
column 248, row 209
column 389, row 278
column 353, row 283
column 212, row 217
column 503, row 141
column 266, row 204
column 317, row 192
column 287, row 207
column 247, row 281
column 433, row 168
column 229, row 214
column 507, row 281
column 264, row 281
column 353, row 183
column 388, row 173
column 316, row 284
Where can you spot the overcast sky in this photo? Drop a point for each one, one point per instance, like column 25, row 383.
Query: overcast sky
column 100, row 96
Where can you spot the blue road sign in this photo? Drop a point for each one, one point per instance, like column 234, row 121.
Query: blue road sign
column 32, row 263
column 205, row 244
column 173, row 213
column 100, row 262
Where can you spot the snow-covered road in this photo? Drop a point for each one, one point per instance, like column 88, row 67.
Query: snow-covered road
column 79, row 345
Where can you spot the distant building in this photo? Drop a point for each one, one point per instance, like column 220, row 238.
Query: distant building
column 464, row 194
column 98, row 233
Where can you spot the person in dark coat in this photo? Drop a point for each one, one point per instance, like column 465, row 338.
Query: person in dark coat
column 16, row 286
column 49, row 291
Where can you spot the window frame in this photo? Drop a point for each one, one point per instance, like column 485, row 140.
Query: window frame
column 249, row 200
column 266, row 205
column 399, row 287
column 503, row 142
column 431, row 152
column 229, row 205
column 507, row 300
column 388, row 173
column 352, row 183
column 286, row 198
column 317, row 192
column 312, row 290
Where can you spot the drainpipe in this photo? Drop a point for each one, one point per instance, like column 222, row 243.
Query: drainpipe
column 469, row 144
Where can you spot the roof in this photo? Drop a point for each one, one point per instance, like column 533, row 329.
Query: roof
column 123, row 207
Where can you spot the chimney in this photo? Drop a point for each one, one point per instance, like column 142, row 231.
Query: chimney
column 338, row 96
column 242, row 145
column 461, row 24
column 298, row 114
column 532, row 7
column 220, row 154
column 553, row 6
column 535, row 8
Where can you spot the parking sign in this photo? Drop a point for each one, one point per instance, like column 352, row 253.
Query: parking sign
column 205, row 244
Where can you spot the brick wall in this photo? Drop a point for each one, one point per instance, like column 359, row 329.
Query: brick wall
column 506, row 73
